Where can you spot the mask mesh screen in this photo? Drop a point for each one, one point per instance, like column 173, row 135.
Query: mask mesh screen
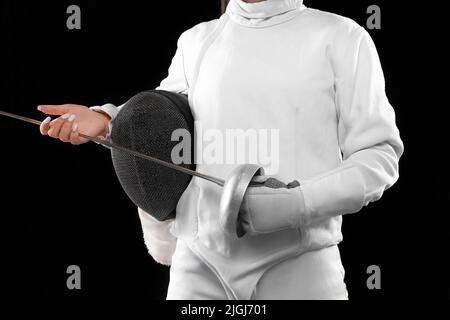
column 145, row 124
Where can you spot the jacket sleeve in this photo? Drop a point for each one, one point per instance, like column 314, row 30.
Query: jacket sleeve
column 176, row 80
column 368, row 137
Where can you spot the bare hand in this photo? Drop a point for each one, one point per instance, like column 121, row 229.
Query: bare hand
column 73, row 118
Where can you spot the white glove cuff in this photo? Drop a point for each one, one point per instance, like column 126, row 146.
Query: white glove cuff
column 109, row 109
column 275, row 211
column 157, row 237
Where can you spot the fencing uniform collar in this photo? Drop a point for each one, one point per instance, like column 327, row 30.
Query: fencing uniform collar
column 265, row 13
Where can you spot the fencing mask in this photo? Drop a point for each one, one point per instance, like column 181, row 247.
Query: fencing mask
column 146, row 124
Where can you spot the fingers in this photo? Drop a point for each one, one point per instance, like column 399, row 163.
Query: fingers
column 55, row 128
column 63, row 128
column 54, row 109
column 45, row 126
column 74, row 136
column 57, row 125
column 66, row 128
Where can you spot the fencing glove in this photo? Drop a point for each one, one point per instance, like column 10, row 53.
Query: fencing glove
column 272, row 206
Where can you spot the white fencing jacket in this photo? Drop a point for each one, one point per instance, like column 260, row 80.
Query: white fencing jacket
column 314, row 76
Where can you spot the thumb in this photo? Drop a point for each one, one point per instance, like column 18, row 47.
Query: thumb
column 260, row 179
column 54, row 109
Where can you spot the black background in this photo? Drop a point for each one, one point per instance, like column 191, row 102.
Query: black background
column 62, row 205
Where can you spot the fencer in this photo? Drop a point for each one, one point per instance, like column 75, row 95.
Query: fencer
column 315, row 76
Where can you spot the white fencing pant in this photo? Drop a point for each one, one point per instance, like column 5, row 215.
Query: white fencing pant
column 314, row 275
